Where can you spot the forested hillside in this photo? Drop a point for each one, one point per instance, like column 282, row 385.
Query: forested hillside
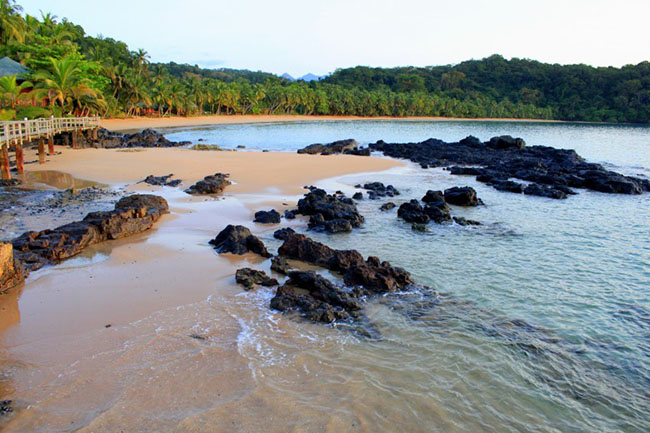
column 72, row 73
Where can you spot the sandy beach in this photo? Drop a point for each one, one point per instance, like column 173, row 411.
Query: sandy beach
column 137, row 123
column 79, row 336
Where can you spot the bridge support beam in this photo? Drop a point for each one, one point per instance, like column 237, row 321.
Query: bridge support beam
column 50, row 144
column 41, row 150
column 20, row 156
column 4, row 163
column 75, row 140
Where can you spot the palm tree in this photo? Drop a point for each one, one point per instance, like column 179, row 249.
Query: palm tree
column 64, row 84
column 11, row 92
column 12, row 25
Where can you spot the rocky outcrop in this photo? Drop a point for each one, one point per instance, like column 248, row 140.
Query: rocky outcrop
column 462, row 196
column 214, row 184
column 132, row 214
column 238, row 240
column 267, row 217
column 284, row 233
column 320, row 300
column 544, row 191
column 328, row 212
column 280, row 265
column 251, row 278
column 377, row 190
column 12, row 272
column 339, row 146
column 504, row 158
column 162, row 180
column 111, row 140
column 315, row 297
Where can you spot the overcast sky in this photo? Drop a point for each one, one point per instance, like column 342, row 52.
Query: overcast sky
column 320, row 36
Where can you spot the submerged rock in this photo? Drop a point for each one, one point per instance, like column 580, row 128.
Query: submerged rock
column 544, row 191
column 284, row 233
column 162, row 180
column 132, row 214
column 250, row 278
column 280, row 265
column 238, row 240
column 267, row 217
column 378, row 190
column 387, row 206
column 214, row 184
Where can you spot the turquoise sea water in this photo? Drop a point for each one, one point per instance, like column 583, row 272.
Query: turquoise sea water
column 541, row 321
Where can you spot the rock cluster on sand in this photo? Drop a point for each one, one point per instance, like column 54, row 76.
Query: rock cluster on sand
column 213, row 184
column 238, row 240
column 436, row 207
column 251, row 278
column 162, row 180
column 317, row 298
column 132, row 214
column 267, row 217
column 349, row 146
column 505, row 157
column 11, row 270
column 111, row 140
column 332, row 213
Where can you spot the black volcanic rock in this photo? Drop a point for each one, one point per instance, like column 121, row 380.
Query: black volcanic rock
column 250, row 278
column 267, row 217
column 214, row 184
column 238, row 240
column 503, row 158
column 329, row 212
column 378, row 190
column 462, row 196
column 339, row 146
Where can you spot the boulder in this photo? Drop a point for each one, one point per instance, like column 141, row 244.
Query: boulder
column 387, row 206
column 329, row 212
column 162, row 180
column 413, row 212
column 544, row 191
column 462, row 196
column 11, row 270
column 284, row 233
column 214, row 184
column 238, row 240
column 132, row 214
column 433, row 197
column 280, row 265
column 378, row 190
column 506, row 142
column 251, row 278
column 267, row 217
column 339, row 146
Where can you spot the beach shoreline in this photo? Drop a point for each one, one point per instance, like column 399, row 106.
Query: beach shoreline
column 138, row 123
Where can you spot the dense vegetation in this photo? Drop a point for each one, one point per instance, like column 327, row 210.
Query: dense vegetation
column 73, row 73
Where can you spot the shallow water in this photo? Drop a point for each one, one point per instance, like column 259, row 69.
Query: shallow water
column 545, row 318
column 539, row 320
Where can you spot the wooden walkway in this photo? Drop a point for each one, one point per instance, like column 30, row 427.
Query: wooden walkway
column 17, row 132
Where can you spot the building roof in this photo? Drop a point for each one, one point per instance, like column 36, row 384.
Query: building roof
column 11, row 67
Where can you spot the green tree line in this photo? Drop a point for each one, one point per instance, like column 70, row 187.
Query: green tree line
column 71, row 73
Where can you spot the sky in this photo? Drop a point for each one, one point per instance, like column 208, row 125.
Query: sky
column 320, row 36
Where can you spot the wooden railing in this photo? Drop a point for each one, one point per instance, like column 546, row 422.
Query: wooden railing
column 14, row 133
column 27, row 130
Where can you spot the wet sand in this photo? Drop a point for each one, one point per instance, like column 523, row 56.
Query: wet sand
column 136, row 123
column 171, row 359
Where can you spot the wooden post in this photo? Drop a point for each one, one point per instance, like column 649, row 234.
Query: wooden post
column 74, row 139
column 4, row 162
column 50, row 144
column 41, row 150
column 95, row 133
column 20, row 157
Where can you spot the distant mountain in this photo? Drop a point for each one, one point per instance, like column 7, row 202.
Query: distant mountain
column 310, row 77
column 287, row 77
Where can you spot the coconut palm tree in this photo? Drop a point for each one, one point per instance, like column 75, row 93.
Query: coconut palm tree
column 12, row 25
column 64, row 84
column 11, row 92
